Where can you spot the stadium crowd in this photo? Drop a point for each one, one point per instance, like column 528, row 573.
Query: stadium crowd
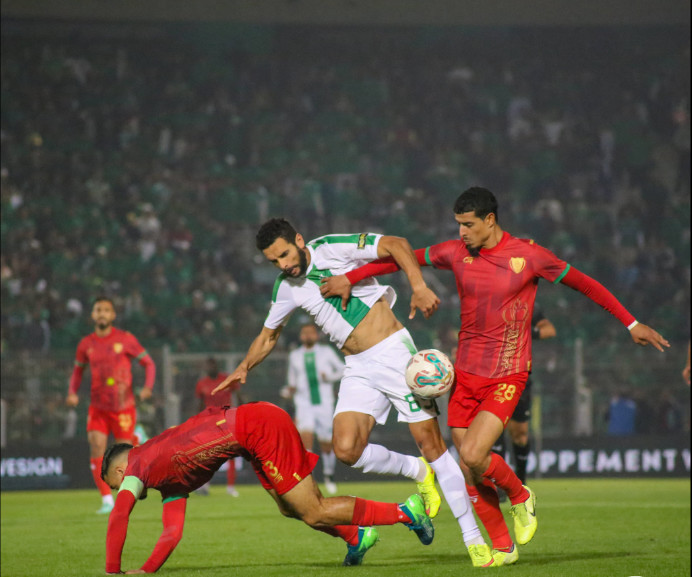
column 141, row 167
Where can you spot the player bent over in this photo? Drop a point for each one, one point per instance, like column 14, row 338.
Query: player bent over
column 183, row 458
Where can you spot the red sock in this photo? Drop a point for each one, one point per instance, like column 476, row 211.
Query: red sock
column 101, row 485
column 500, row 473
column 230, row 474
column 348, row 533
column 487, row 506
column 367, row 513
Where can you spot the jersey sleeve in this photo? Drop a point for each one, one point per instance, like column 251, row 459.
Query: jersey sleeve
column 81, row 360
column 282, row 305
column 344, row 250
column 547, row 265
column 442, row 255
column 137, row 351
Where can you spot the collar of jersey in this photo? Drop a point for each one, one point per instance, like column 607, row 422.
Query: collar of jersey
column 503, row 241
column 312, row 260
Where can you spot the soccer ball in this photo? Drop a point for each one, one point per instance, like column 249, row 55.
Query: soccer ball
column 429, row 374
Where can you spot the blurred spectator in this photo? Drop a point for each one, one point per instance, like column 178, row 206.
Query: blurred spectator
column 621, row 415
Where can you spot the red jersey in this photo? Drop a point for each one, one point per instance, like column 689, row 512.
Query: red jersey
column 207, row 384
column 183, row 458
column 497, row 289
column 110, row 360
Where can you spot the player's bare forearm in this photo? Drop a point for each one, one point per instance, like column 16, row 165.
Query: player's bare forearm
column 400, row 250
column 260, row 348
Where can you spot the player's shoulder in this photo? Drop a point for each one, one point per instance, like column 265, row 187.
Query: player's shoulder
column 334, row 241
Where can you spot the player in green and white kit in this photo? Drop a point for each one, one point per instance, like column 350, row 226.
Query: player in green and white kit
column 376, row 347
column 313, row 368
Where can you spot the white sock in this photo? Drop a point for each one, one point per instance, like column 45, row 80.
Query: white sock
column 328, row 463
column 379, row 459
column 453, row 487
column 107, row 499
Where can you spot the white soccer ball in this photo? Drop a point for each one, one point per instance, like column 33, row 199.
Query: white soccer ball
column 429, row 374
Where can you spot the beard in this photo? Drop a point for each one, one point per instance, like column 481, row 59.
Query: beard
column 302, row 263
column 474, row 251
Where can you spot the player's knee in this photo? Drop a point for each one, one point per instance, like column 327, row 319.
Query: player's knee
column 348, row 452
column 472, row 456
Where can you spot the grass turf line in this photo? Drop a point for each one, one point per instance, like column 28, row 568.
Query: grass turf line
column 600, row 527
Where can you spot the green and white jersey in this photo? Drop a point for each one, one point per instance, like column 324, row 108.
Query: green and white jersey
column 330, row 255
column 312, row 372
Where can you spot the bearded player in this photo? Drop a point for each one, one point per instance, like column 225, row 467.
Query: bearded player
column 109, row 353
column 183, row 458
column 497, row 277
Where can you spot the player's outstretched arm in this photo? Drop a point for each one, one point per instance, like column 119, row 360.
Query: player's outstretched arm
column 117, row 530
column 644, row 335
column 173, row 521
column 640, row 333
column 260, row 348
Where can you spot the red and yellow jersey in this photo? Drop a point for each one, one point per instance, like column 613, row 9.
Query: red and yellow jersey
column 207, row 384
column 497, row 289
column 110, row 361
column 183, row 458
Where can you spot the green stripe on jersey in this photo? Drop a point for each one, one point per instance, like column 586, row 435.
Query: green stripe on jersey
column 78, row 364
column 141, row 355
column 361, row 238
column 313, row 381
column 564, row 272
column 277, row 284
column 356, row 309
column 176, row 497
column 427, row 257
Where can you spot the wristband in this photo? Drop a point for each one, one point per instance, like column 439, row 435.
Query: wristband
column 634, row 324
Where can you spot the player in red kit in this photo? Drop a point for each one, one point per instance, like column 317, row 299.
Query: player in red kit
column 203, row 390
column 497, row 277
column 109, row 352
column 183, row 458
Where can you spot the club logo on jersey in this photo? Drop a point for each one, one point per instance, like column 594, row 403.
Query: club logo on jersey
column 118, row 348
column 468, row 259
column 517, row 264
column 361, row 240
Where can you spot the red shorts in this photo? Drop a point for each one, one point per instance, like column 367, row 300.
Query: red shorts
column 120, row 423
column 278, row 455
column 472, row 394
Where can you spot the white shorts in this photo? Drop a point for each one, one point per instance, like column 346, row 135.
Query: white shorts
column 374, row 380
column 315, row 418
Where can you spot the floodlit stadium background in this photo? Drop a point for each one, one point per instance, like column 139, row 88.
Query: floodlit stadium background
column 143, row 144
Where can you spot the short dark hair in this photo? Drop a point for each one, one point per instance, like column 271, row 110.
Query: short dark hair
column 273, row 229
column 101, row 299
column 477, row 199
column 112, row 453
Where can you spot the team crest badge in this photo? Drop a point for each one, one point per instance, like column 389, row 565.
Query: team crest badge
column 468, row 259
column 517, row 264
column 118, row 348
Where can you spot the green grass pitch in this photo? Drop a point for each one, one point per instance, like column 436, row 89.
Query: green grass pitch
column 609, row 528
